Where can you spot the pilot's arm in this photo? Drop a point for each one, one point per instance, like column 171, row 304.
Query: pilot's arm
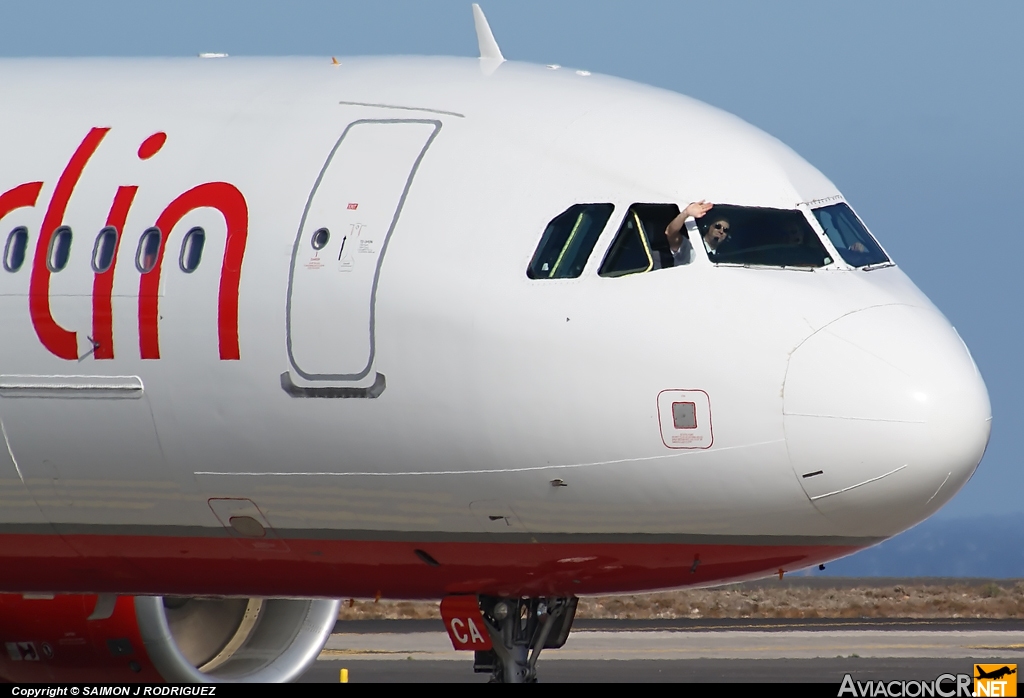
column 674, row 231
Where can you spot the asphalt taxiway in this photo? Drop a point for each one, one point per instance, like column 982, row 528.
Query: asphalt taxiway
column 689, row 650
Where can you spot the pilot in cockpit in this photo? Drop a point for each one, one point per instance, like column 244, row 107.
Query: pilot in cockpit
column 714, row 235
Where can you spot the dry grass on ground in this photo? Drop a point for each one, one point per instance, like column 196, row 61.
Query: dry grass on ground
column 1003, row 599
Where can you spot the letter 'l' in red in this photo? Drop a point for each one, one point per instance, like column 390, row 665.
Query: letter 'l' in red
column 58, row 340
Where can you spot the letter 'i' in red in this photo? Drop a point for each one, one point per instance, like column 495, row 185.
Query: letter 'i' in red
column 103, row 283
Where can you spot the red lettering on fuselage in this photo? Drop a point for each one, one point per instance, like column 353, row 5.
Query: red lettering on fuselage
column 59, row 341
column 152, row 145
column 103, row 283
column 221, row 196
column 22, row 196
column 229, row 201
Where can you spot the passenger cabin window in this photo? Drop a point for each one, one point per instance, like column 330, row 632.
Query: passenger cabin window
column 767, row 237
column 641, row 245
column 192, row 250
column 852, row 240
column 149, row 249
column 14, row 250
column 60, row 249
column 103, row 250
column 568, row 241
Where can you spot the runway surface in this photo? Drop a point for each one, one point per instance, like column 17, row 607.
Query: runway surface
column 689, row 650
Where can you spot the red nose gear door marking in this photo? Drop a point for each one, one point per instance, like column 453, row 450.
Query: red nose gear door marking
column 465, row 623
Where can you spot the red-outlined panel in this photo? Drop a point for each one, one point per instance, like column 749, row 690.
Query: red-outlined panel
column 699, row 436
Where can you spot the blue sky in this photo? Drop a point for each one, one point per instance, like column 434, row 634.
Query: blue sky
column 914, row 109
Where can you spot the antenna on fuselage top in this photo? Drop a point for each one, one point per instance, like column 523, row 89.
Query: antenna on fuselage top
column 489, row 50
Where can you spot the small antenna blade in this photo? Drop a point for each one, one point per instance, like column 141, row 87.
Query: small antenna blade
column 488, row 46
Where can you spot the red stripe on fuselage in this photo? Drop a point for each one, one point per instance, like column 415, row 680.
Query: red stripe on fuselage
column 169, row 565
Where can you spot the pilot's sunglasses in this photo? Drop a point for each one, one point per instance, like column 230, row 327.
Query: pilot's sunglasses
column 719, row 226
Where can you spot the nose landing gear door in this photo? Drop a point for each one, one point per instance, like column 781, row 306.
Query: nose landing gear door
column 352, row 212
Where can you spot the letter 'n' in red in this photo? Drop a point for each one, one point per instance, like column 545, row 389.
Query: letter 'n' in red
column 229, row 201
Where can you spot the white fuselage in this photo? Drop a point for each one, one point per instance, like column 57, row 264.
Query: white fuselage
column 415, row 386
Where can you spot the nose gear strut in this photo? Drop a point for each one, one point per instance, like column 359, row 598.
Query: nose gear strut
column 519, row 630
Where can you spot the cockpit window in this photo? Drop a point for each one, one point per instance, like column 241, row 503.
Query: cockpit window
column 769, row 237
column 852, row 240
column 568, row 241
column 641, row 245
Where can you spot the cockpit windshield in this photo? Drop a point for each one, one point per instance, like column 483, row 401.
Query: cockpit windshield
column 851, row 239
column 761, row 236
column 568, row 241
column 641, row 244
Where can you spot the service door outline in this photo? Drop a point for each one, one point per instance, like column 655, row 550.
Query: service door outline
column 332, row 289
column 685, row 419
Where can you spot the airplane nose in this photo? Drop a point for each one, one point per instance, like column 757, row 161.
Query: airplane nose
column 886, row 418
